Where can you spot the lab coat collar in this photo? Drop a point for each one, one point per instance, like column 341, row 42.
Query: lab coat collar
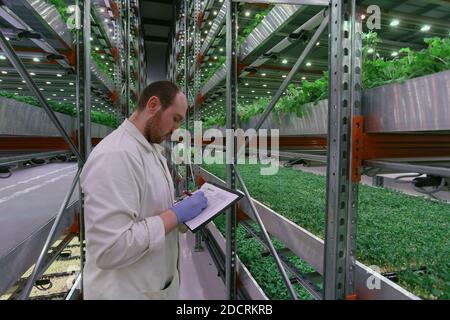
column 150, row 147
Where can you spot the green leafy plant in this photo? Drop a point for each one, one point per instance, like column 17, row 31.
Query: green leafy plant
column 242, row 36
column 397, row 232
column 104, row 118
column 211, row 70
column 376, row 72
column 61, row 7
column 256, row 21
column 101, row 63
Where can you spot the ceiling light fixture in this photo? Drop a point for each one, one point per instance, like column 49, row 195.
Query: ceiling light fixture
column 394, row 23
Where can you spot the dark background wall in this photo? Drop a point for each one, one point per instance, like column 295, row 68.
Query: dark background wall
column 157, row 19
column 156, row 59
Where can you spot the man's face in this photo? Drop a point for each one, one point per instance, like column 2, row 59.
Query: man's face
column 164, row 122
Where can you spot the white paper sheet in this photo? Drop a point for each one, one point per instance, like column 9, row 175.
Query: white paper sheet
column 218, row 199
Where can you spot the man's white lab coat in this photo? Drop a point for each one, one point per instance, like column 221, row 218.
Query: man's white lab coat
column 127, row 185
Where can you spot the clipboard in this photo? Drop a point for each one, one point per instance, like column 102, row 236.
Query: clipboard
column 215, row 205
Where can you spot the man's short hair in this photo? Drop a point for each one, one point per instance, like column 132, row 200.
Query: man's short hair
column 164, row 90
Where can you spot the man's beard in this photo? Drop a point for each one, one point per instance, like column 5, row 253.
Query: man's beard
column 152, row 129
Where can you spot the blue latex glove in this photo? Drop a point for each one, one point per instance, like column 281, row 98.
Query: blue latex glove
column 190, row 207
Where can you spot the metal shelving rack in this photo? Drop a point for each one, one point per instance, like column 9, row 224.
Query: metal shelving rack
column 52, row 57
column 335, row 132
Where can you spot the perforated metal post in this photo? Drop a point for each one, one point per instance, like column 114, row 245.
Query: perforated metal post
column 342, row 193
column 231, row 123
column 118, row 66
column 186, row 83
column 127, row 58
column 197, row 43
column 197, row 105
column 81, row 83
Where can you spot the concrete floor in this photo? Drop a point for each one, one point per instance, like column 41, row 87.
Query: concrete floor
column 30, row 198
column 199, row 280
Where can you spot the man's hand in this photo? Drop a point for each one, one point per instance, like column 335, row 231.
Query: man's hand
column 190, row 207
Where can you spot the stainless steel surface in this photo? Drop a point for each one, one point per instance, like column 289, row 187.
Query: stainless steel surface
column 26, row 219
column 217, row 78
column 99, row 18
column 355, row 28
column 339, row 186
column 290, row 2
column 276, row 19
column 440, row 171
column 127, row 58
column 75, row 290
column 49, row 13
column 87, row 77
column 231, row 123
column 287, row 42
column 20, row 258
column 18, row 118
column 198, row 9
column 292, row 73
column 101, row 76
column 53, row 232
column 17, row 63
column 314, row 121
column 417, row 105
column 43, row 18
column 388, row 290
column 420, row 104
column 13, row 19
column 279, row 16
column 310, row 248
column 269, row 243
column 217, row 25
column 49, row 259
column 186, row 93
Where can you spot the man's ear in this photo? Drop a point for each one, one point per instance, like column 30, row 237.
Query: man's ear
column 153, row 105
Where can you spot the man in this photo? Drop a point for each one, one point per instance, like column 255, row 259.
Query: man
column 131, row 221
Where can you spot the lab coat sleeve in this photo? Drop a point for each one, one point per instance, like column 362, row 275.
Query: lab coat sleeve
column 113, row 186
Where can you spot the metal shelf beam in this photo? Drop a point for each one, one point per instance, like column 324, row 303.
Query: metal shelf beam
column 276, row 19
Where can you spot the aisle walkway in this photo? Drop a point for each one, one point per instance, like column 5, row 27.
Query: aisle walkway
column 199, row 280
